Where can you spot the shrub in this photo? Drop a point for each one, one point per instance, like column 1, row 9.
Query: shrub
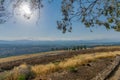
column 19, row 73
column 73, row 69
column 56, row 62
column 22, row 77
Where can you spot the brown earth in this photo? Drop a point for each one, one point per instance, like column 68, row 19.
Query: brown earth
column 84, row 72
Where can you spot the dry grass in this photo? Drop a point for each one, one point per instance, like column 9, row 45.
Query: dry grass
column 106, row 47
column 15, row 58
column 47, row 57
column 23, row 72
column 19, row 73
column 71, row 62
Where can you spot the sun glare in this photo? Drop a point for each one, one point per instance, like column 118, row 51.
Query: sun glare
column 25, row 10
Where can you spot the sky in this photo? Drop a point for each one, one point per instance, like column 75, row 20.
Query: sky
column 18, row 28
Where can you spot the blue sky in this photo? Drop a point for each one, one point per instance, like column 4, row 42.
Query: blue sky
column 46, row 29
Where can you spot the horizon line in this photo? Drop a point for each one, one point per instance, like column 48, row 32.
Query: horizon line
column 56, row 40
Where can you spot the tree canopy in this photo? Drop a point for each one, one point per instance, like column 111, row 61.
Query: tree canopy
column 89, row 12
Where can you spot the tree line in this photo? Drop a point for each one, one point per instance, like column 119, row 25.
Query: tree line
column 75, row 48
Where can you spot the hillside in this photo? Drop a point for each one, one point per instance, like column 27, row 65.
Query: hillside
column 53, row 65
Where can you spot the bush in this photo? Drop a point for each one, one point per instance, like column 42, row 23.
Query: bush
column 22, row 72
column 73, row 69
column 21, row 77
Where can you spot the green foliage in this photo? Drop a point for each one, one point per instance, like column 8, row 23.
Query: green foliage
column 91, row 13
column 22, row 77
column 85, row 47
column 110, row 20
column 56, row 62
column 81, row 47
column 73, row 69
column 52, row 49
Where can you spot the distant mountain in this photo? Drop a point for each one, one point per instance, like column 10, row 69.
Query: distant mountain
column 58, row 42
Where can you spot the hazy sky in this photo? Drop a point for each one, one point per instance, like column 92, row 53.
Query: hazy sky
column 46, row 29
